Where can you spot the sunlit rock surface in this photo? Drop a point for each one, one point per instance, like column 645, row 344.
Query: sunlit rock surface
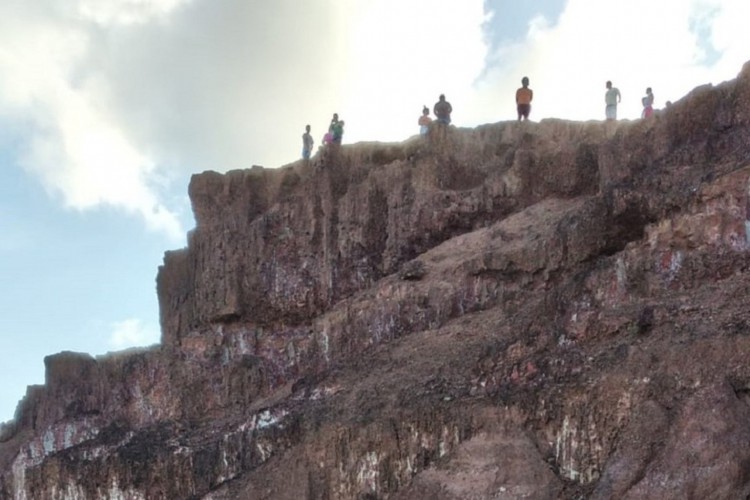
column 521, row 310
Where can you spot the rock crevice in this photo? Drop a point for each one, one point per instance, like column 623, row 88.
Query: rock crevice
column 540, row 310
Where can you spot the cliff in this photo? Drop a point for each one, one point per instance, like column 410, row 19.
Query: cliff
column 521, row 310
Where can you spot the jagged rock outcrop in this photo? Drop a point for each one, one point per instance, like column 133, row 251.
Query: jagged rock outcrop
column 522, row 310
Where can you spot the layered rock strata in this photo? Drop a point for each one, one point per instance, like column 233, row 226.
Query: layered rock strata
column 521, row 310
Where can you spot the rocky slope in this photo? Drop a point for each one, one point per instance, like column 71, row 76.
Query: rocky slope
column 522, row 310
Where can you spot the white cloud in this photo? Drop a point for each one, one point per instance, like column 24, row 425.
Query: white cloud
column 133, row 333
column 78, row 148
column 126, row 11
column 122, row 95
column 637, row 44
column 125, row 96
column 402, row 55
column 729, row 33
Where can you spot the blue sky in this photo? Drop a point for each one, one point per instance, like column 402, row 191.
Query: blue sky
column 108, row 106
column 79, row 280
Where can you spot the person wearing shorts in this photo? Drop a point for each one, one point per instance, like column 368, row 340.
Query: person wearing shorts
column 443, row 110
column 611, row 98
column 524, row 95
column 307, row 143
column 424, row 121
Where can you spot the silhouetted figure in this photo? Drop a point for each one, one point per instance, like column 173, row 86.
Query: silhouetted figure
column 307, row 143
column 611, row 98
column 338, row 131
column 424, row 121
column 328, row 137
column 443, row 110
column 334, row 121
column 524, row 95
column 648, row 104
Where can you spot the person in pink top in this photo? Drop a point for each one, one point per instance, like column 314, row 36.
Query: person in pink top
column 648, row 104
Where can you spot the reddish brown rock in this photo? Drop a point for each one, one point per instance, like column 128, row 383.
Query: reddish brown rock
column 551, row 310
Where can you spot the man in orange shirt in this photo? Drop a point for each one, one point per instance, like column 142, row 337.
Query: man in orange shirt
column 524, row 95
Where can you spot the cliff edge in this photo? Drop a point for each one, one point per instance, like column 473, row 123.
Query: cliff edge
column 521, row 310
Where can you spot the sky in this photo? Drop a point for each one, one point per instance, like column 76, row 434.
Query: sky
column 107, row 107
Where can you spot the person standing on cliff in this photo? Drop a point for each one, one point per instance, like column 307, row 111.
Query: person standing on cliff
column 334, row 121
column 443, row 110
column 338, row 131
column 307, row 143
column 424, row 121
column 328, row 137
column 648, row 104
column 524, row 95
column 611, row 98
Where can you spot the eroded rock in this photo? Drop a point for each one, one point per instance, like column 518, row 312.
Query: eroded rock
column 551, row 310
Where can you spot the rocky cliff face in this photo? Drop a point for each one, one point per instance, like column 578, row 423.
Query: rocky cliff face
column 522, row 310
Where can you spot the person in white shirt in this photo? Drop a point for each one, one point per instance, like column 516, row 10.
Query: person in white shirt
column 612, row 97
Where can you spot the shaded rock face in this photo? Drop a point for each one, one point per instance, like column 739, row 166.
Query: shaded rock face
column 551, row 310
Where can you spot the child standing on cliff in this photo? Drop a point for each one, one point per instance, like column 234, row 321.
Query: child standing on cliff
column 524, row 95
column 328, row 137
column 648, row 104
column 424, row 121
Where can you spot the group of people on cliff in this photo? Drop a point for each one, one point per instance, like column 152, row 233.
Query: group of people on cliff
column 524, row 96
column 443, row 110
column 612, row 98
column 333, row 136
